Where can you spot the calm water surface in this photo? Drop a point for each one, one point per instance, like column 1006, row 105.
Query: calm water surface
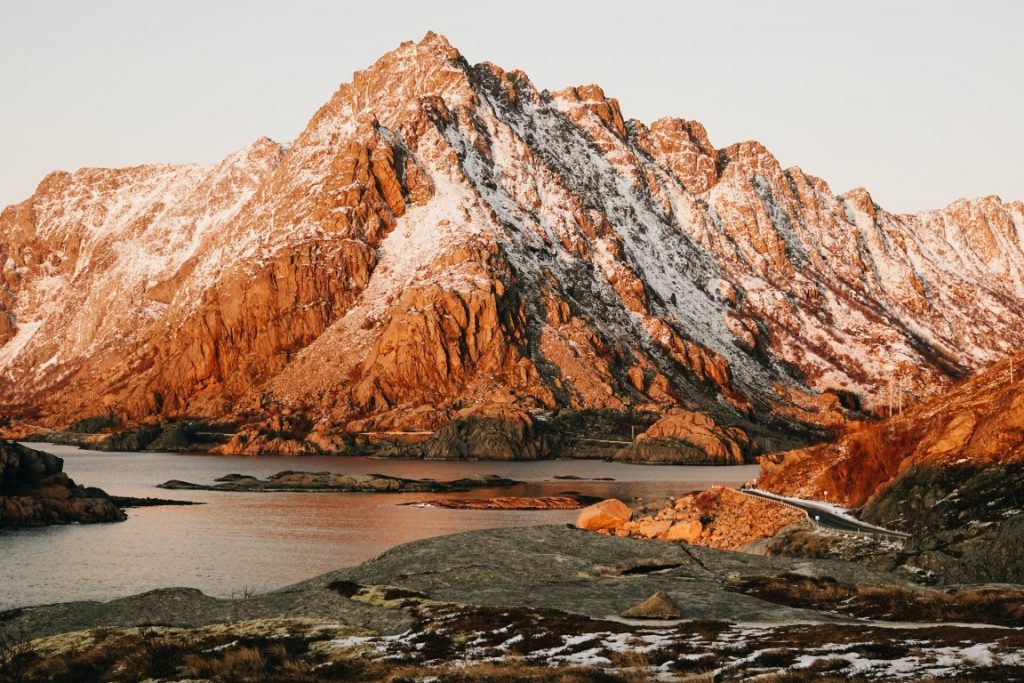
column 238, row 542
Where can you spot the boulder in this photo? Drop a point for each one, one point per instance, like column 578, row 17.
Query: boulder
column 658, row 606
column 608, row 514
column 688, row 531
column 654, row 528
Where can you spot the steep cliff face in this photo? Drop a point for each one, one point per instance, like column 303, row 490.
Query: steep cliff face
column 444, row 236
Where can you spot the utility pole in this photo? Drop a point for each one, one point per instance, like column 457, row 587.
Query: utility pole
column 900, row 385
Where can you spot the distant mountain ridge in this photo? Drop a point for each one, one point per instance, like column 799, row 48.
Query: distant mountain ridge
column 444, row 242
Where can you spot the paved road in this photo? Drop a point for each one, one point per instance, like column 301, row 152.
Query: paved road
column 824, row 517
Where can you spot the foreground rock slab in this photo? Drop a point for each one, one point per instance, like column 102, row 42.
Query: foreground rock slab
column 540, row 602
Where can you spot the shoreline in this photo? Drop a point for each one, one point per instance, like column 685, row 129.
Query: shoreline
column 476, row 597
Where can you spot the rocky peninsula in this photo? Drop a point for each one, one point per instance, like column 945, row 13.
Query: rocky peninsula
column 34, row 491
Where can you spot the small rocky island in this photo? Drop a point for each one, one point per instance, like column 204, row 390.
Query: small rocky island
column 34, row 491
column 290, row 480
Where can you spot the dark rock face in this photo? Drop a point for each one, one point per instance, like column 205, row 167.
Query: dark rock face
column 967, row 522
column 966, row 525
column 35, row 492
column 669, row 451
column 687, row 438
column 483, row 437
column 95, row 424
column 186, row 436
column 128, row 440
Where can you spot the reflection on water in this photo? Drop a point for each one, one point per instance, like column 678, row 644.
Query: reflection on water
column 244, row 541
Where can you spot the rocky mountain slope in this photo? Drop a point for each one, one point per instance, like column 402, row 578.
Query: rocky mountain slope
column 949, row 472
column 444, row 243
column 976, row 425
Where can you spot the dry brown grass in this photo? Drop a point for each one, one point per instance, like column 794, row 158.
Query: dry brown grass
column 893, row 603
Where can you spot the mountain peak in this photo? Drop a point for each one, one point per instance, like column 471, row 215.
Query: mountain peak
column 436, row 41
column 433, row 47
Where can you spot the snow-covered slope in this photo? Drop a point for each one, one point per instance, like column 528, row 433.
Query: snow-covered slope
column 445, row 235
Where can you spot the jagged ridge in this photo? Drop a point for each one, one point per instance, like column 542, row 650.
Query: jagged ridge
column 445, row 238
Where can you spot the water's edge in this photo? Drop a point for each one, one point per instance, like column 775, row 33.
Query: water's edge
column 243, row 542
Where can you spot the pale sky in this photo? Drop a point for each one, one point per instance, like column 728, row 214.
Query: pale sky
column 920, row 102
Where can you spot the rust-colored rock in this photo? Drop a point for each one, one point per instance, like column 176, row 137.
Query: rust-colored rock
column 977, row 424
column 688, row 531
column 718, row 517
column 608, row 514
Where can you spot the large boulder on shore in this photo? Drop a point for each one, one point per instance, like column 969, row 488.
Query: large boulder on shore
column 608, row 514
column 34, row 491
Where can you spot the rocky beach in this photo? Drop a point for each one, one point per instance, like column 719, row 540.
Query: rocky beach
column 539, row 602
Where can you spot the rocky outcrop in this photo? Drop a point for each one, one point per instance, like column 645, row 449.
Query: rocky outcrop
column 490, row 433
column 34, row 491
column 717, row 518
column 686, row 438
column 444, row 235
column 946, row 471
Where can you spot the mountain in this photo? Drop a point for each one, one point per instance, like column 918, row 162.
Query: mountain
column 445, row 246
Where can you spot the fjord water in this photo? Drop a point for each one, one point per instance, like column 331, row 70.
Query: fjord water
column 236, row 543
